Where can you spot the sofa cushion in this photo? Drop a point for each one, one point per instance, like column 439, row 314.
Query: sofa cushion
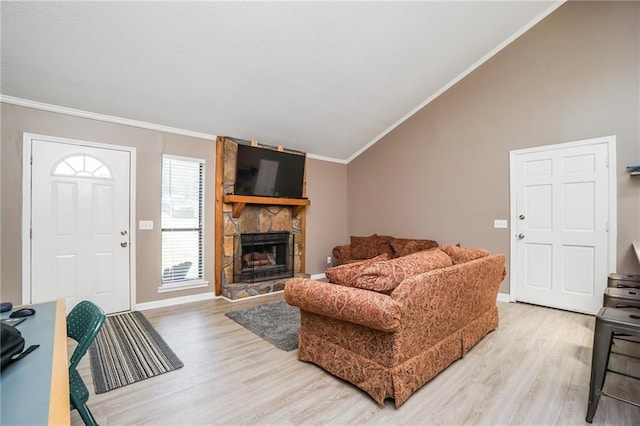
column 405, row 246
column 344, row 273
column 462, row 254
column 364, row 247
column 386, row 275
column 371, row 246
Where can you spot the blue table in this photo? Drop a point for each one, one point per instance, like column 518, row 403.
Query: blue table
column 35, row 389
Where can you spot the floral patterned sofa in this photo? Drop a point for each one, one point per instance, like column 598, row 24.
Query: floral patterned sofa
column 362, row 248
column 390, row 325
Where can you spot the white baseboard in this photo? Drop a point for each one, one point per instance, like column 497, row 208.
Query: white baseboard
column 174, row 301
column 503, row 297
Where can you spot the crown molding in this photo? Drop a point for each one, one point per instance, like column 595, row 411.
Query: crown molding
column 127, row 122
column 327, row 159
column 103, row 117
column 460, row 76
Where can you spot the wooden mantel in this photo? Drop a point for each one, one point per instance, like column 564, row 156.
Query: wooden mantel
column 239, row 201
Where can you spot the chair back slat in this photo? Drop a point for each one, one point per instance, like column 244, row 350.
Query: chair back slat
column 83, row 324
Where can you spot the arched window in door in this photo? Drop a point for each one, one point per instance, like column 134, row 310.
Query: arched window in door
column 82, row 165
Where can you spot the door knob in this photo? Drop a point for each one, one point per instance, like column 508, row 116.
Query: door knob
column 123, row 244
column 520, row 236
column 521, row 217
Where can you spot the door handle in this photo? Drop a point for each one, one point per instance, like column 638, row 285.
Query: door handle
column 123, row 244
column 520, row 236
column 521, row 217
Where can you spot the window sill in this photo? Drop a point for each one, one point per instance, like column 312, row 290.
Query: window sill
column 182, row 285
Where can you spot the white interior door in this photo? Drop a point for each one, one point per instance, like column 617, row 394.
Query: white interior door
column 561, row 227
column 80, row 225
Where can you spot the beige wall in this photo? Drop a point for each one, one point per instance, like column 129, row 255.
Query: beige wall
column 326, row 187
column 444, row 173
column 149, row 144
column 327, row 214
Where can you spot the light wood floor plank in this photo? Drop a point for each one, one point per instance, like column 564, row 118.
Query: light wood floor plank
column 533, row 370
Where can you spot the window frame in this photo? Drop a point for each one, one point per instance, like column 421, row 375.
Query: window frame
column 195, row 282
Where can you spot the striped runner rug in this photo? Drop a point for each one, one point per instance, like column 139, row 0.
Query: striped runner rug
column 127, row 350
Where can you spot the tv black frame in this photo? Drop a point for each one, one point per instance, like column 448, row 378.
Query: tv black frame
column 279, row 185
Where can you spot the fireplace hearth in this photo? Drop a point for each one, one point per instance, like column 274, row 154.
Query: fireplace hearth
column 264, row 256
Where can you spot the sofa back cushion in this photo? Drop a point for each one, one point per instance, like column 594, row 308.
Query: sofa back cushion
column 461, row 254
column 345, row 273
column 405, row 246
column 384, row 276
column 371, row 246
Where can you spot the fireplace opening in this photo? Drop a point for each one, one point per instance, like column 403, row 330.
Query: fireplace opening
column 263, row 256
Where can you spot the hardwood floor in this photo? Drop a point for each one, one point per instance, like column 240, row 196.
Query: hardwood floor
column 533, row 370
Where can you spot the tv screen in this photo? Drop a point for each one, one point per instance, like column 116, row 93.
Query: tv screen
column 269, row 173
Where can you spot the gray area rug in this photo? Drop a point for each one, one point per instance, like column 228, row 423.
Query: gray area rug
column 275, row 322
column 127, row 350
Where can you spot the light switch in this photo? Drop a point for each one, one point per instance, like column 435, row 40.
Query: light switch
column 500, row 223
column 145, row 225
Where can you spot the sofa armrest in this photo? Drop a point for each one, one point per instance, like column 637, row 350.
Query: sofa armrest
column 364, row 307
column 342, row 253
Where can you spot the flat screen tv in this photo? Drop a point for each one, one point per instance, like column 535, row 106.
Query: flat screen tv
column 269, row 173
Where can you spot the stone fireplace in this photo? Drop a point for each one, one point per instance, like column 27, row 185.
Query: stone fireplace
column 262, row 240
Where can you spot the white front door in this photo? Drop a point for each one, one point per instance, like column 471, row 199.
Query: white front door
column 80, row 225
column 561, row 225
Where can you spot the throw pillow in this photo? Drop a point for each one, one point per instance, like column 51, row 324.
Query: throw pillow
column 462, row 255
column 383, row 245
column 344, row 273
column 364, row 247
column 385, row 276
column 405, row 246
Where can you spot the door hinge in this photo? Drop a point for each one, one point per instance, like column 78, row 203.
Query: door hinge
column 607, row 161
column 607, row 226
column 30, row 234
column 31, row 159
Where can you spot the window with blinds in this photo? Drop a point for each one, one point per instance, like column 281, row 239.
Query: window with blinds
column 182, row 220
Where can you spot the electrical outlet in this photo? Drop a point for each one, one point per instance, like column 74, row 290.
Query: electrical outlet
column 329, row 260
column 500, row 223
column 145, row 225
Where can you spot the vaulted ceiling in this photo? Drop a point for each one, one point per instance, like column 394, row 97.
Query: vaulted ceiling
column 327, row 78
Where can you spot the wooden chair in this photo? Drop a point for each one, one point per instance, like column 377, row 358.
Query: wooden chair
column 83, row 324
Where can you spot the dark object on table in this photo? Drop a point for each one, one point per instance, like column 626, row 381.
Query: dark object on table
column 6, row 306
column 13, row 321
column 12, row 345
column 22, row 312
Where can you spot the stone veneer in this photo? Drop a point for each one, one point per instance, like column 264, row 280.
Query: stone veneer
column 254, row 218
